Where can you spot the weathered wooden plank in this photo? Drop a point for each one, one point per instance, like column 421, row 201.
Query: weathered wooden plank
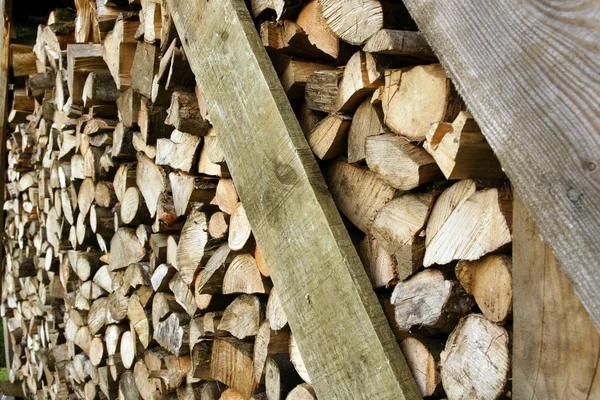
column 340, row 328
column 5, row 6
column 531, row 76
column 556, row 347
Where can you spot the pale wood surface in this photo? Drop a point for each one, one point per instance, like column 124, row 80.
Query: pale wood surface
column 556, row 347
column 529, row 74
column 345, row 342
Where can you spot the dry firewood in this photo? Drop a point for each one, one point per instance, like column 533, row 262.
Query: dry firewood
column 213, row 148
column 405, row 113
column 380, row 264
column 77, row 166
column 461, row 151
column 303, row 391
column 275, row 314
column 184, row 114
column 476, row 360
column 127, row 387
column 489, row 280
column 322, row 90
column 105, row 195
column 99, row 88
column 478, row 224
column 23, row 60
column 243, row 276
column 86, row 265
column 97, row 352
column 201, row 361
column 399, row 163
column 188, row 190
column 268, row 343
column 151, row 120
column 124, row 179
column 146, row 386
column 280, row 376
column 207, row 167
column 231, row 363
column 192, row 248
column 177, row 152
column 107, row 385
column 151, row 180
column 97, row 315
column 118, row 304
column 242, row 317
column 294, row 77
column 103, row 278
column 128, row 349
column 328, row 139
column 226, row 197
column 218, row 225
column 151, row 19
column 133, row 210
column 122, row 142
column 275, row 9
column 129, row 107
column 357, row 192
column 239, row 228
column 210, row 279
column 260, row 263
column 125, row 249
column 296, row 360
column 81, row 60
column 429, row 300
column 366, row 122
column 182, row 294
column 173, row 333
column 163, row 304
column 162, row 276
column 410, row 45
column 119, row 51
column 135, row 275
column 423, row 359
column 397, row 227
column 319, row 34
column 102, row 221
column 145, row 66
column 361, row 77
column 356, row 21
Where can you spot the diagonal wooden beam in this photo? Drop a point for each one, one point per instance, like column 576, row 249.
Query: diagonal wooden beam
column 530, row 74
column 334, row 314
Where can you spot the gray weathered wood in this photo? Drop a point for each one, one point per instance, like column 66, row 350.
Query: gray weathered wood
column 344, row 339
column 530, row 74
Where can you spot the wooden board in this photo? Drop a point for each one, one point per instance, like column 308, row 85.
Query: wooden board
column 529, row 74
column 556, row 347
column 339, row 325
column 5, row 54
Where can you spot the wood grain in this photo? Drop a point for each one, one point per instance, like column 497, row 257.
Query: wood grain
column 556, row 347
column 345, row 340
column 529, row 74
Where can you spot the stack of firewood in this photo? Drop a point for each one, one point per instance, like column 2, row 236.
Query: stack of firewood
column 131, row 270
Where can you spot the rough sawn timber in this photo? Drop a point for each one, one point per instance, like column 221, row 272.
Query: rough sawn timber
column 528, row 74
column 340, row 327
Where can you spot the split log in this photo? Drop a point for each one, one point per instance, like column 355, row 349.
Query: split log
column 357, row 192
column 397, row 227
column 294, row 77
column 226, row 196
column 476, row 360
column 461, row 151
column 99, row 88
column 232, row 364
column 239, row 228
column 381, row 266
column 81, row 60
column 361, row 77
column 184, row 114
column 144, row 67
column 280, row 376
column 303, row 391
column 410, row 45
column 177, row 152
column 243, row 276
column 125, row 249
column 192, row 248
column 151, row 19
column 119, row 51
column 476, row 226
column 242, row 317
column 218, row 225
column 268, row 343
column 489, row 280
column 356, row 21
column 429, row 300
column 275, row 313
column 399, row 163
column 151, row 180
column 189, row 190
column 329, row 138
column 366, row 122
column 406, row 113
column 133, row 210
column 297, row 361
column 173, row 334
column 129, row 107
column 322, row 90
column 423, row 359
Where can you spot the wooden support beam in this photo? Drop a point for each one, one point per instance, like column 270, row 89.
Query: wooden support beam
column 556, row 346
column 344, row 338
column 532, row 90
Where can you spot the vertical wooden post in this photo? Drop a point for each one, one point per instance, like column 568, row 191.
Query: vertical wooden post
column 556, row 346
column 5, row 51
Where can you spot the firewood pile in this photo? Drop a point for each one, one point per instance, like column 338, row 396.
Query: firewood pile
column 130, row 266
